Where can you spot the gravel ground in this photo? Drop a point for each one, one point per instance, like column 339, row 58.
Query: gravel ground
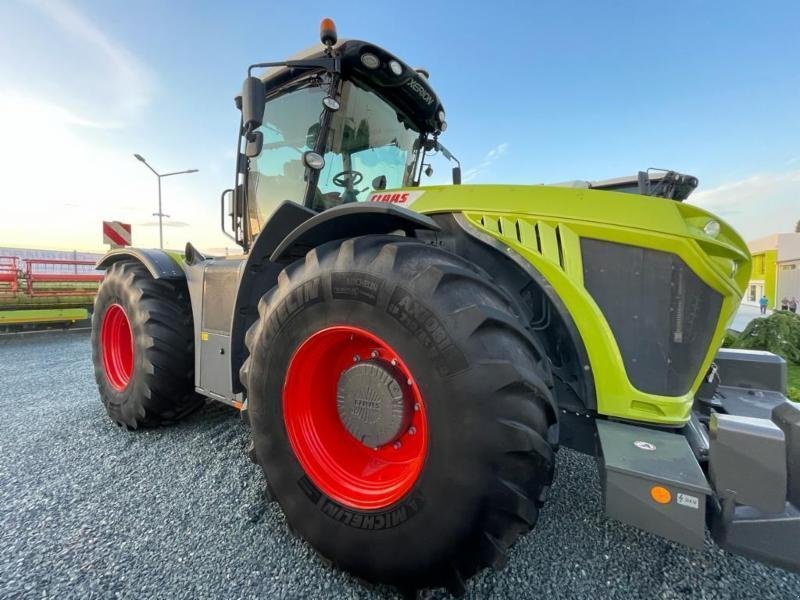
column 90, row 511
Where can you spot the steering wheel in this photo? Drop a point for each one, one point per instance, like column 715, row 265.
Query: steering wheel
column 348, row 178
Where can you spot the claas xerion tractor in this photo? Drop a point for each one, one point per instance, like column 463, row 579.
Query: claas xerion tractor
column 411, row 357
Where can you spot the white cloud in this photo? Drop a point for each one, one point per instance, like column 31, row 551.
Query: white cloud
column 60, row 176
column 130, row 80
column 491, row 156
column 758, row 205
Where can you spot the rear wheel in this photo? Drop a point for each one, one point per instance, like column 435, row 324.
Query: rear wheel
column 143, row 347
column 400, row 410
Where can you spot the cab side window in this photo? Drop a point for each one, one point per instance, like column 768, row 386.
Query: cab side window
column 278, row 173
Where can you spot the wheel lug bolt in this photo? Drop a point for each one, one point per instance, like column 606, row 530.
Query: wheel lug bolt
column 356, row 358
column 412, row 430
column 409, row 381
column 394, row 362
column 374, row 354
column 396, row 445
column 416, row 408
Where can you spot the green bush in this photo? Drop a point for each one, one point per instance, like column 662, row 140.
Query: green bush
column 778, row 333
column 730, row 340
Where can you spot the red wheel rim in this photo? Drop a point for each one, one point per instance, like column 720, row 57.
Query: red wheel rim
column 116, row 342
column 339, row 464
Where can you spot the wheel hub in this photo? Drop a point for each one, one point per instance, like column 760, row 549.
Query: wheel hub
column 116, row 342
column 337, row 409
column 373, row 403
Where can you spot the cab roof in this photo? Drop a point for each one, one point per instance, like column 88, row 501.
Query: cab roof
column 409, row 93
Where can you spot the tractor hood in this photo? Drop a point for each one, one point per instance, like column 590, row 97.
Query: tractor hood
column 608, row 209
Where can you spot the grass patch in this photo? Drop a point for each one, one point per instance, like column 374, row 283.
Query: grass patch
column 793, row 381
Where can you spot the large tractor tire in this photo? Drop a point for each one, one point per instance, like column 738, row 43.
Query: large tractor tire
column 400, row 410
column 143, row 347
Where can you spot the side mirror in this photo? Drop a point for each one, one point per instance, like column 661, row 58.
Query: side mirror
column 254, row 143
column 456, row 175
column 311, row 135
column 379, row 183
column 253, row 101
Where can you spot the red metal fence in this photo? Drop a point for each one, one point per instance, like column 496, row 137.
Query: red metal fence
column 60, row 277
column 8, row 275
column 43, row 277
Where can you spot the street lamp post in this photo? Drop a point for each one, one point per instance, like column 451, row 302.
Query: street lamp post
column 160, row 214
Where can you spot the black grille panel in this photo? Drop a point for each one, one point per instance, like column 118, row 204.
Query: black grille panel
column 662, row 315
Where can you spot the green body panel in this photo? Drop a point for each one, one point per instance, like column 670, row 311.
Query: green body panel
column 55, row 315
column 23, row 301
column 178, row 256
column 512, row 215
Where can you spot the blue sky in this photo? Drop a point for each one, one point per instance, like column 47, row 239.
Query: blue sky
column 534, row 92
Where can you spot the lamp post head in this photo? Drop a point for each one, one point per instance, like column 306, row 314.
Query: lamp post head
column 139, row 158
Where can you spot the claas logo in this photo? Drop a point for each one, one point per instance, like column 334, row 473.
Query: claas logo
column 396, row 198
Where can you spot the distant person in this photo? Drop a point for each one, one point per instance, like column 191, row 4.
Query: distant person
column 763, row 304
column 785, row 303
column 793, row 304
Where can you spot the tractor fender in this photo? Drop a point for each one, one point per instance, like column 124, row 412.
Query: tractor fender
column 347, row 221
column 159, row 263
column 289, row 234
column 513, row 272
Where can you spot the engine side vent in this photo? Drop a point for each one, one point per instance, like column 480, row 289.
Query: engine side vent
column 556, row 243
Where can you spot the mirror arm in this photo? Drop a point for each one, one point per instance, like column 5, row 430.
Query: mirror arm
column 448, row 155
column 331, row 64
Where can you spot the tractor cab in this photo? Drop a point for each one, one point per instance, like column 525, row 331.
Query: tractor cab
column 330, row 127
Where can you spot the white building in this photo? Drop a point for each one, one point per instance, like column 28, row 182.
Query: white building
column 776, row 268
column 788, row 267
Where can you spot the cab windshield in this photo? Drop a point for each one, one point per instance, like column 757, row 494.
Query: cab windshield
column 366, row 142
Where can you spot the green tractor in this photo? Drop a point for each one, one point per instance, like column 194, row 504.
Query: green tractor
column 411, row 357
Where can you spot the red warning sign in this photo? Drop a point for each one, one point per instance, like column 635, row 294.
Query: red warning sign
column 116, row 234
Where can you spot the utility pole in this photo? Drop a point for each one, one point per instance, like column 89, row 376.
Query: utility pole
column 160, row 214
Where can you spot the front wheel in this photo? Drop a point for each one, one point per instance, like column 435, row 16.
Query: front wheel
column 143, row 347
column 400, row 410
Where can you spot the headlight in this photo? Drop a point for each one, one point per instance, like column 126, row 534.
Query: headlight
column 441, row 116
column 313, row 160
column 331, row 103
column 395, row 67
column 370, row 61
column 711, row 229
